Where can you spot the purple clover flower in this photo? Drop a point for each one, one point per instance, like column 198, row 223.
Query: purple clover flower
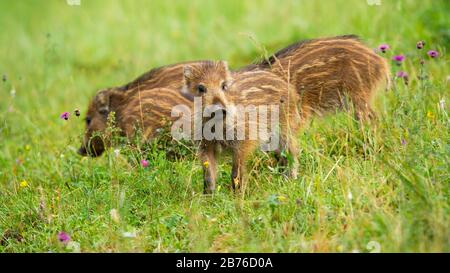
column 144, row 163
column 383, row 48
column 63, row 237
column 398, row 58
column 402, row 74
column 433, row 53
column 64, row 115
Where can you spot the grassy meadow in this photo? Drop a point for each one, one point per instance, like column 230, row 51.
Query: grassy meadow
column 362, row 188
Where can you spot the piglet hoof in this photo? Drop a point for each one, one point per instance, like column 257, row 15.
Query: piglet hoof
column 291, row 174
column 236, row 184
column 208, row 190
column 209, row 187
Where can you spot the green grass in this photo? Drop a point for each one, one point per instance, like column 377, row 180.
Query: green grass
column 357, row 184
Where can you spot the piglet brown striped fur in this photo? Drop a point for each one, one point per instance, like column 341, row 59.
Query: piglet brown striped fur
column 327, row 71
column 150, row 85
column 216, row 86
column 169, row 76
column 146, row 110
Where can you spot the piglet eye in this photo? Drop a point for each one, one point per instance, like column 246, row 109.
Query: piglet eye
column 201, row 89
column 224, row 86
column 104, row 112
column 88, row 121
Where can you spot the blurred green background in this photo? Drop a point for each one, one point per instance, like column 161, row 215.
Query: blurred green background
column 50, row 48
column 54, row 56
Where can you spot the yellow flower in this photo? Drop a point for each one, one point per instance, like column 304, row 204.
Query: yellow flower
column 236, row 181
column 23, row 184
column 430, row 115
column 27, row 147
column 206, row 164
column 282, row 198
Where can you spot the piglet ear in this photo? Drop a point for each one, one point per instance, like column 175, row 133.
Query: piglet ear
column 116, row 98
column 102, row 101
column 187, row 75
column 187, row 72
column 224, row 64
